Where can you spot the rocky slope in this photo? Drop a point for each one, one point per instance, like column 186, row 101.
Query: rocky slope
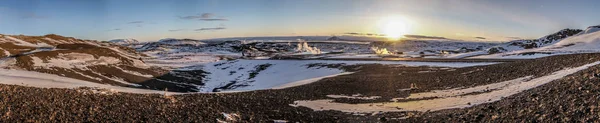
column 83, row 59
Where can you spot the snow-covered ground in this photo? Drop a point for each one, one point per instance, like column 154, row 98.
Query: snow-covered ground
column 183, row 59
column 42, row 80
column 245, row 75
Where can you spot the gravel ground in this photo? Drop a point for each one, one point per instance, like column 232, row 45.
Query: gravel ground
column 573, row 98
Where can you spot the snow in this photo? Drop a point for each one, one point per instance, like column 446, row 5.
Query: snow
column 21, row 42
column 5, row 52
column 136, row 62
column 537, row 55
column 74, row 60
column 135, row 73
column 355, row 96
column 584, row 42
column 591, row 29
column 25, row 43
column 124, row 41
column 54, row 41
column 172, row 41
column 307, row 81
column 183, row 59
column 356, row 56
column 289, row 73
column 42, row 80
column 468, row 54
column 450, row 98
column 462, row 91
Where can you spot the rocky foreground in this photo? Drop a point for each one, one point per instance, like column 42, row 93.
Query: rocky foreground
column 572, row 98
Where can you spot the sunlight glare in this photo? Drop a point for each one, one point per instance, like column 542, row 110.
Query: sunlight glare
column 394, row 27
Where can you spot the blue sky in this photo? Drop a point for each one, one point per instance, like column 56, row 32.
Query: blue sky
column 202, row 19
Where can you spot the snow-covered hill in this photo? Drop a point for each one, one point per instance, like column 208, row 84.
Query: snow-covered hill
column 518, row 45
column 86, row 60
column 586, row 41
column 124, row 42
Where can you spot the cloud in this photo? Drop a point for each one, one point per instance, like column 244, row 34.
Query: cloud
column 209, row 29
column 479, row 37
column 214, row 19
column 363, row 34
column 190, row 17
column 424, row 37
column 514, row 38
column 203, row 17
column 207, row 15
column 33, row 16
column 135, row 22
column 175, row 30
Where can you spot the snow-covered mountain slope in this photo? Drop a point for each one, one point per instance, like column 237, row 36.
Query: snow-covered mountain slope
column 18, row 44
column 87, row 60
column 124, row 42
column 518, row 45
column 587, row 41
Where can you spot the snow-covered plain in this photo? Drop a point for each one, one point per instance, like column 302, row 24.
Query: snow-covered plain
column 280, row 73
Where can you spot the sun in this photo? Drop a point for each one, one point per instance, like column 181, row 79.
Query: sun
column 394, row 27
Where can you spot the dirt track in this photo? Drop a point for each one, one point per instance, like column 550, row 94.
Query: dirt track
column 573, row 98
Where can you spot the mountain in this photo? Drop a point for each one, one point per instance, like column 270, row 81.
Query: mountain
column 172, row 41
column 87, row 60
column 534, row 43
column 568, row 41
column 124, row 42
column 524, row 44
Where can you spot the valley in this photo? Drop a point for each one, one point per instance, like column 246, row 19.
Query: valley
column 304, row 79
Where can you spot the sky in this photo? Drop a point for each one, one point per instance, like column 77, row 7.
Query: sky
column 149, row 20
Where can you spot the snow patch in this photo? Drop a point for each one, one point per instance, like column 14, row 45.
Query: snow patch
column 308, row 81
column 42, row 80
column 74, row 60
column 355, row 96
